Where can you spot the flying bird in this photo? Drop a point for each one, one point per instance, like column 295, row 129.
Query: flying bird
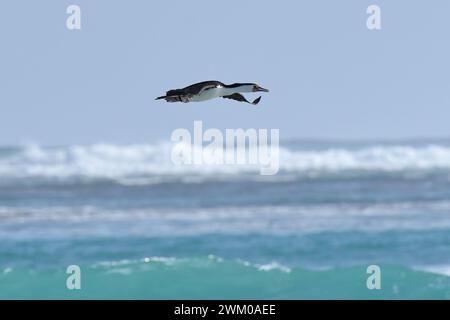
column 207, row 90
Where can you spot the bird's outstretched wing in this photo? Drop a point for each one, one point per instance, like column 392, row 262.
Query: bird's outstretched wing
column 239, row 97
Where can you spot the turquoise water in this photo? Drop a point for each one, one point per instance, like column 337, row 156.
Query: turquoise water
column 140, row 228
column 207, row 278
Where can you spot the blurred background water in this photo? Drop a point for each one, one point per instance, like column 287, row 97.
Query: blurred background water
column 141, row 227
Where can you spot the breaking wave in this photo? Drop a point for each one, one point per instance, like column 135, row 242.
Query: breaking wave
column 17, row 222
column 147, row 164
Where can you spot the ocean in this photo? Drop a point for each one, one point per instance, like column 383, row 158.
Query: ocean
column 140, row 227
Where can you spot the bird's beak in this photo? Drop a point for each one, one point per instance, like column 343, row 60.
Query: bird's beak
column 262, row 89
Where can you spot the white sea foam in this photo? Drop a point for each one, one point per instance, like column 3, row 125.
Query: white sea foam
column 7, row 270
column 130, row 262
column 83, row 221
column 125, row 267
column 437, row 269
column 273, row 266
column 151, row 164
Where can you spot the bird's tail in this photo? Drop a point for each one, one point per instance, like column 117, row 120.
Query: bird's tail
column 170, row 98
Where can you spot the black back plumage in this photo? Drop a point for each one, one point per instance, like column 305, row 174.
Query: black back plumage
column 196, row 88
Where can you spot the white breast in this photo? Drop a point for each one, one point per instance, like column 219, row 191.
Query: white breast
column 208, row 94
column 219, row 92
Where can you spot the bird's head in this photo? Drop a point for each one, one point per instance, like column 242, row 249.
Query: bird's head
column 257, row 88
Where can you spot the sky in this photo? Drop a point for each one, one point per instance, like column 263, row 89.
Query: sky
column 329, row 76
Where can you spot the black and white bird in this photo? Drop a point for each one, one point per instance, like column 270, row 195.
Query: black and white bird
column 207, row 90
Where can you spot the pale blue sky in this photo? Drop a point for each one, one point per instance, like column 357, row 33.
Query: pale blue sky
column 329, row 76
